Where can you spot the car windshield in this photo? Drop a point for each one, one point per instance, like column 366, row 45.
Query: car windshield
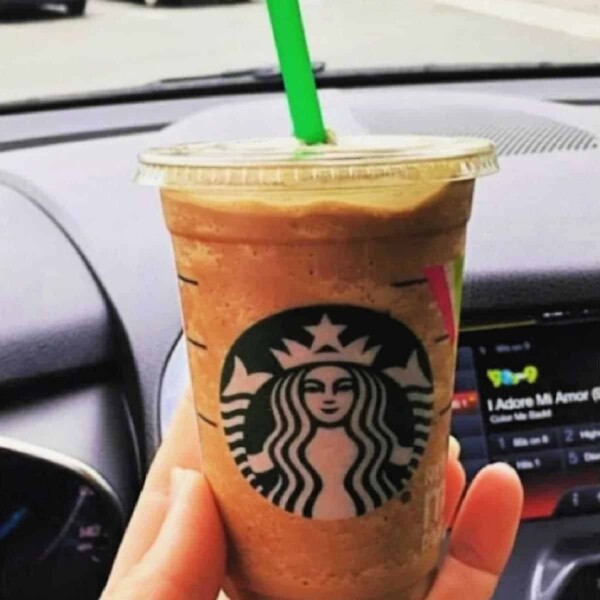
column 79, row 47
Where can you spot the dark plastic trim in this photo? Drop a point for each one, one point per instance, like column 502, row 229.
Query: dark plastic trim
column 223, row 85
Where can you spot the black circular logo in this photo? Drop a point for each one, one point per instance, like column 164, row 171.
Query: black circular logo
column 327, row 409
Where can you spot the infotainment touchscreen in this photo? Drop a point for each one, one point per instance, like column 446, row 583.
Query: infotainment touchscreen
column 530, row 395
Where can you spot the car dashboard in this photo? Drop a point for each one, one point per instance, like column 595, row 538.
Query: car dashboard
column 92, row 362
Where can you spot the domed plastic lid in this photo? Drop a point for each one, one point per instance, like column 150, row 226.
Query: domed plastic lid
column 285, row 162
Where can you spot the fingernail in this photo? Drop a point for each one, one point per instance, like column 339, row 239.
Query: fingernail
column 453, row 447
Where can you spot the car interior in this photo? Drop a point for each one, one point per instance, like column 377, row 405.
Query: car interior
column 92, row 362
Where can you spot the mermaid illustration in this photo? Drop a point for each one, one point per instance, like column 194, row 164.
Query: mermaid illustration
column 329, row 451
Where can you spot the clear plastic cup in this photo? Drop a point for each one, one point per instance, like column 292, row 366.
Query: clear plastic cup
column 320, row 289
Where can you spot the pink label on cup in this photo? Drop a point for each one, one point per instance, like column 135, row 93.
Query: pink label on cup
column 445, row 283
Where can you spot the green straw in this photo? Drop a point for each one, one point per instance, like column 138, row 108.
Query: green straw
column 296, row 69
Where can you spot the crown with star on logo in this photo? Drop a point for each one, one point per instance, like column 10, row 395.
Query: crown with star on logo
column 326, row 347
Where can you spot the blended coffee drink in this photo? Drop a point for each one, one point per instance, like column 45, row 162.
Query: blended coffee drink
column 320, row 289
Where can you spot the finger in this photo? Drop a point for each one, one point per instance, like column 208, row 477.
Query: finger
column 486, row 526
column 453, row 448
column 141, row 533
column 179, row 449
column 187, row 559
column 190, row 548
column 455, row 485
column 483, row 536
column 180, row 446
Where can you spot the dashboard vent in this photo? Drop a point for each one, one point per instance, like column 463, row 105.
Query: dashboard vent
column 513, row 132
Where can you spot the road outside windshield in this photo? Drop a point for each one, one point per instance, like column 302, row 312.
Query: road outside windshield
column 50, row 51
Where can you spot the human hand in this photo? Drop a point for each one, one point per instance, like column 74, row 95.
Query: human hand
column 483, row 531
column 174, row 547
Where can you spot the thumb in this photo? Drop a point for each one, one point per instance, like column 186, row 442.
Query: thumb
column 187, row 560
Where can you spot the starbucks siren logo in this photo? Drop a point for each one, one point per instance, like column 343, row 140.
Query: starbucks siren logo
column 327, row 409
